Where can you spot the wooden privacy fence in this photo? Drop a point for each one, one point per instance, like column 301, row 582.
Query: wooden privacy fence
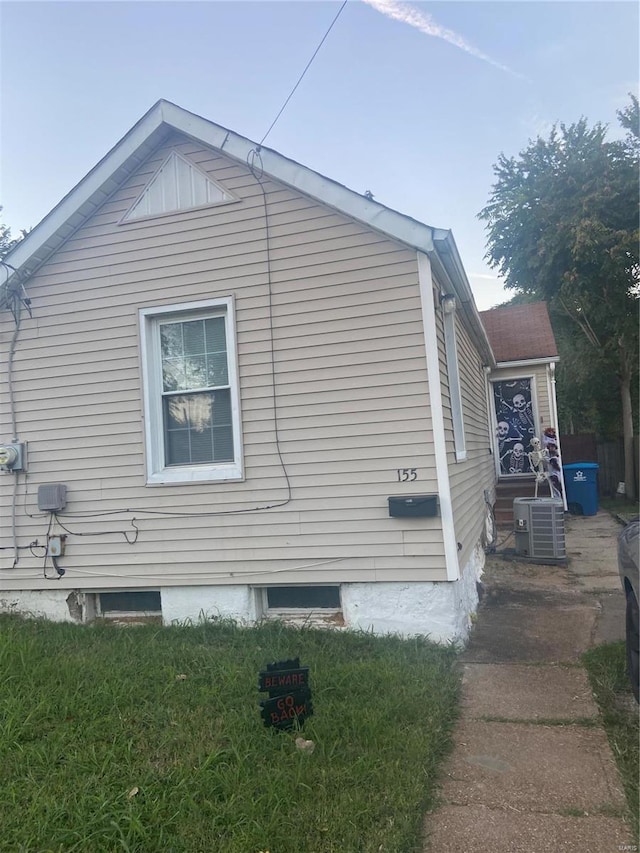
column 608, row 454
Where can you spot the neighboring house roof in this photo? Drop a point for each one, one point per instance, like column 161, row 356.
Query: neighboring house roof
column 154, row 128
column 520, row 332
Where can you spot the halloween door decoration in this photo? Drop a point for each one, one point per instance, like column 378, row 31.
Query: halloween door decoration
column 516, row 425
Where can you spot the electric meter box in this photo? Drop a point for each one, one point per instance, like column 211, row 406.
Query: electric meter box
column 415, row 506
column 52, row 497
column 13, row 457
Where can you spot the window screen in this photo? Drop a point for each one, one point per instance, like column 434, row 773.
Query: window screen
column 303, row 596
column 130, row 601
column 198, row 425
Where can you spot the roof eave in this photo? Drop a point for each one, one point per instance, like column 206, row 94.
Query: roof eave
column 527, row 362
column 74, row 209
column 157, row 123
column 390, row 222
column 81, row 201
column 448, row 255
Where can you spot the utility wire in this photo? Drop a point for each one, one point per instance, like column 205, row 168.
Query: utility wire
column 308, row 65
column 254, row 161
column 130, row 536
column 16, row 308
column 14, row 532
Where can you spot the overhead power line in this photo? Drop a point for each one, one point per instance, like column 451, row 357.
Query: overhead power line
column 308, row 65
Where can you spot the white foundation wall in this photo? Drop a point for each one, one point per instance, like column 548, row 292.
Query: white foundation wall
column 440, row 610
column 196, row 603
column 57, row 605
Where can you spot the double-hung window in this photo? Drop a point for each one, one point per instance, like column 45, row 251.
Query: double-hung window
column 192, row 412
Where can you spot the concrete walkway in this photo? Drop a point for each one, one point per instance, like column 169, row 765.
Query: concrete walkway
column 531, row 768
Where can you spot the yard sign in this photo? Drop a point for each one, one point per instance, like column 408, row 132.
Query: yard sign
column 287, row 684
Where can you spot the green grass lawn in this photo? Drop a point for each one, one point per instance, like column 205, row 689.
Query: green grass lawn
column 606, row 665
column 150, row 739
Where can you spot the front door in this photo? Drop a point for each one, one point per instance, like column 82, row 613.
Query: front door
column 515, row 420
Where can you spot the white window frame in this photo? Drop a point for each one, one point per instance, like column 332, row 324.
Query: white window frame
column 157, row 471
column 453, row 373
column 307, row 615
column 101, row 613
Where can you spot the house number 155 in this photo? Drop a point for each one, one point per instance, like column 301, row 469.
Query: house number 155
column 407, row 475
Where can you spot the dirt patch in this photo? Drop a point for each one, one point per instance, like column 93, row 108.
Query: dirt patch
column 592, row 566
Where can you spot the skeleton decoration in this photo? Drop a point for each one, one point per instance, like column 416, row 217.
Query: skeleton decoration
column 516, row 459
column 516, row 424
column 524, row 416
column 538, row 458
column 503, row 432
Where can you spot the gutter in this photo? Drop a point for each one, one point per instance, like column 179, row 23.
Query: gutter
column 448, row 259
column 528, row 362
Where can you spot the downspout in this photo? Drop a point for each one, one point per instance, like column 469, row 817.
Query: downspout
column 437, row 417
column 16, row 310
column 12, row 352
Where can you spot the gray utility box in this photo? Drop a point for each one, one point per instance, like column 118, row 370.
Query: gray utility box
column 52, row 498
column 539, row 528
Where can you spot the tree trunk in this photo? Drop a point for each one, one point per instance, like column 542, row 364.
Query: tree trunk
column 627, row 429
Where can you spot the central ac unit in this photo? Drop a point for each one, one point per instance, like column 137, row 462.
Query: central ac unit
column 539, row 528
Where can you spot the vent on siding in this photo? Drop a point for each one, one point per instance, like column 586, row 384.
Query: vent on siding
column 177, row 185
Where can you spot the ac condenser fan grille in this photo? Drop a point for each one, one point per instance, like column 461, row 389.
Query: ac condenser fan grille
column 539, row 528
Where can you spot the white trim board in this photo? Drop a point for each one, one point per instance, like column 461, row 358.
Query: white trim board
column 437, row 419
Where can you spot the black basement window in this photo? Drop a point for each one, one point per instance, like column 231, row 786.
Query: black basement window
column 130, row 602
column 308, row 597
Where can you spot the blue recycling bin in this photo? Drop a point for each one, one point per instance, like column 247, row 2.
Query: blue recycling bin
column 581, row 487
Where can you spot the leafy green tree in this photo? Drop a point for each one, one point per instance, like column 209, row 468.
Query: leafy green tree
column 588, row 400
column 6, row 241
column 562, row 223
column 629, row 118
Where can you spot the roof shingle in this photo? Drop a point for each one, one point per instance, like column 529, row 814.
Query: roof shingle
column 520, row 332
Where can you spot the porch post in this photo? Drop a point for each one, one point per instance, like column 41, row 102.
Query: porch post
column 551, row 375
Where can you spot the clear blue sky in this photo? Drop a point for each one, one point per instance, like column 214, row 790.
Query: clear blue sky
column 416, row 113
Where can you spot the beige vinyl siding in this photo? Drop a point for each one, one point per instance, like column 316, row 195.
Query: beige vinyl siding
column 471, row 476
column 351, row 389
